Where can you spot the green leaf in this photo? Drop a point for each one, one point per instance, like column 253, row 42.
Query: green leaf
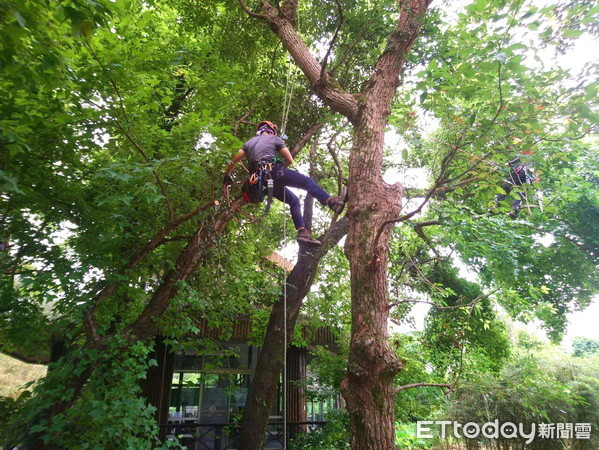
column 570, row 33
column 14, row 149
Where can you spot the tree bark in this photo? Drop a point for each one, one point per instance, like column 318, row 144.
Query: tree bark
column 372, row 365
column 270, row 362
column 368, row 388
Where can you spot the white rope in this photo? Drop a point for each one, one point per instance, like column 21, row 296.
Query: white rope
column 289, row 86
column 284, row 324
column 291, row 75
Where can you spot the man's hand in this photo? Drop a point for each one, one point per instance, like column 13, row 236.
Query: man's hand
column 227, row 180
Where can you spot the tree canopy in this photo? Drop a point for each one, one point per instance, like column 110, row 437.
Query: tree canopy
column 118, row 117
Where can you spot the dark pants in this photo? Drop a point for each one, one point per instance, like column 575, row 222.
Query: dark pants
column 294, row 179
column 517, row 203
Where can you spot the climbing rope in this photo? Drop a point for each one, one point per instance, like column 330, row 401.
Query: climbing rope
column 289, row 86
column 284, row 327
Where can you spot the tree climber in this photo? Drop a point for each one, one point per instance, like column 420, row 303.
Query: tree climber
column 267, row 149
column 518, row 176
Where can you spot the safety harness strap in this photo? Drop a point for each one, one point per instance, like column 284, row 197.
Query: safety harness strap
column 262, row 175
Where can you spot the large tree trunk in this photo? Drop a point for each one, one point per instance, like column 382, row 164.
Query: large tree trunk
column 373, row 208
column 270, row 362
column 372, row 365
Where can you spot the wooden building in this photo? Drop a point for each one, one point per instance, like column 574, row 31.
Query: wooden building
column 200, row 397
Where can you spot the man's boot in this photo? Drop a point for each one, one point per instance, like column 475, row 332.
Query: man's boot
column 303, row 235
column 337, row 203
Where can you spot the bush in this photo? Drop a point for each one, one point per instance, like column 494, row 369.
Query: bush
column 332, row 436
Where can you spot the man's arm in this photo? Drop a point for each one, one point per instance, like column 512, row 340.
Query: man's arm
column 238, row 157
column 286, row 154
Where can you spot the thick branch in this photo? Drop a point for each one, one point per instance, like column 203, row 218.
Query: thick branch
column 157, row 240
column 187, row 261
column 271, row 357
column 384, row 80
column 334, row 97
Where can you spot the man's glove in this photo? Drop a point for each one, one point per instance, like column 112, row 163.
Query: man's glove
column 227, row 180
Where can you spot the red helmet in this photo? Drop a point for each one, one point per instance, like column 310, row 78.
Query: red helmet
column 265, row 125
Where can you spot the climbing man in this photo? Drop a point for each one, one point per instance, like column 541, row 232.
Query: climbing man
column 519, row 175
column 266, row 148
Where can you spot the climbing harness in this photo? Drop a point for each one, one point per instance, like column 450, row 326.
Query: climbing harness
column 260, row 184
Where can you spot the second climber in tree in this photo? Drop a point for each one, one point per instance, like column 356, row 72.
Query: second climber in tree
column 519, row 175
column 266, row 148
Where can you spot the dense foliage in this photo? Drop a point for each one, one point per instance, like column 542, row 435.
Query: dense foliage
column 116, row 120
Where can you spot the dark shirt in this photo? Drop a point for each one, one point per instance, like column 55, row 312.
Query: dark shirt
column 263, row 147
column 519, row 175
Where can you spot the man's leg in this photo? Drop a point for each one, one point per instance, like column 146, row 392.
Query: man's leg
column 297, row 180
column 295, row 207
column 285, row 195
column 300, row 181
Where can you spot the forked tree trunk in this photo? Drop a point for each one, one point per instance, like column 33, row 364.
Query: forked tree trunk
column 373, row 208
column 270, row 362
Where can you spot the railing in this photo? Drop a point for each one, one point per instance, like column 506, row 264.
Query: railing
column 225, row 436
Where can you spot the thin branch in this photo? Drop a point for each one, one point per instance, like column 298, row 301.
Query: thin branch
column 348, row 52
column 438, row 182
column 18, row 255
column 301, row 143
column 418, row 192
column 459, row 146
column 420, row 232
column 110, row 80
column 415, row 385
column 245, row 116
column 169, row 206
column 553, row 233
column 171, row 212
column 251, row 13
column 333, row 154
column 455, row 382
column 440, row 308
column 326, row 56
column 575, row 138
column 500, row 94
